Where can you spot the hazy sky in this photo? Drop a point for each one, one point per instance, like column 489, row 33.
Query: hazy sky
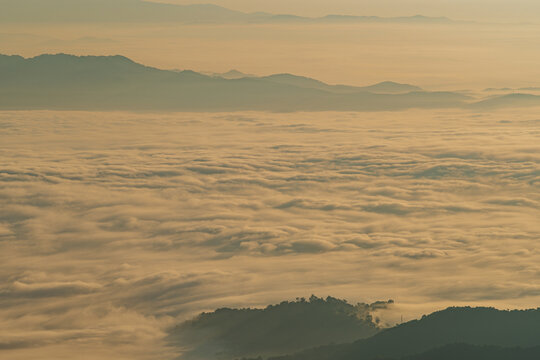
column 450, row 57
column 434, row 56
column 500, row 10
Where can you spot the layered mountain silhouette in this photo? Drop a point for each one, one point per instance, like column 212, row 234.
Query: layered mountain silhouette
column 479, row 327
column 67, row 82
column 231, row 74
column 277, row 329
column 117, row 83
column 387, row 87
column 508, row 100
column 76, row 11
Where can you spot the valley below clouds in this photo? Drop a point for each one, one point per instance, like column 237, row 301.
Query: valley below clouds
column 115, row 227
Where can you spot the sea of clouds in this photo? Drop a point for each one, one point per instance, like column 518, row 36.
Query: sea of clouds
column 114, row 227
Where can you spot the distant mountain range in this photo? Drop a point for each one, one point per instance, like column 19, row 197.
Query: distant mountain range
column 231, row 74
column 117, row 83
column 386, row 87
column 67, row 82
column 508, row 100
column 77, row 11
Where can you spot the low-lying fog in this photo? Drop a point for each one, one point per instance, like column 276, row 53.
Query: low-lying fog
column 116, row 226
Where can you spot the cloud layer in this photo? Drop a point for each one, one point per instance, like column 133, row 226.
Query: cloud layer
column 115, row 226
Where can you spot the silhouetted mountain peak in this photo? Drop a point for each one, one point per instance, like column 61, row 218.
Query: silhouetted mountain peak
column 232, row 74
column 275, row 329
column 293, row 79
column 391, row 87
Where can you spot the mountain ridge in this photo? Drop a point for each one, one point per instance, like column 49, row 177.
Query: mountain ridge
column 454, row 333
column 68, row 11
column 68, row 82
column 473, row 326
column 275, row 329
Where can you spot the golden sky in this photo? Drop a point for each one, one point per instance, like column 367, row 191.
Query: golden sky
column 451, row 56
column 439, row 56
